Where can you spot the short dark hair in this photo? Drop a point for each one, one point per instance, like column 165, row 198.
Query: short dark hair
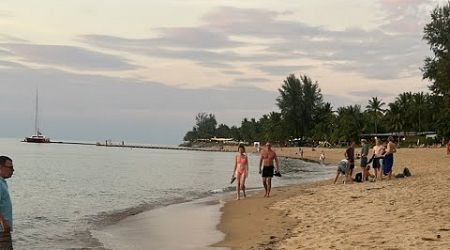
column 4, row 159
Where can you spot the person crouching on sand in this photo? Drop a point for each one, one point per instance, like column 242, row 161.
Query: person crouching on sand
column 344, row 169
column 241, row 171
column 268, row 156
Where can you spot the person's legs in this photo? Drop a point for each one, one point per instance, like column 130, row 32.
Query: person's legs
column 363, row 174
column 238, row 186
column 243, row 177
column 350, row 173
column 5, row 241
column 265, row 185
column 337, row 176
column 269, row 185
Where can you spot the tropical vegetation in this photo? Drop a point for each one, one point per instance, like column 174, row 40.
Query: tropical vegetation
column 304, row 115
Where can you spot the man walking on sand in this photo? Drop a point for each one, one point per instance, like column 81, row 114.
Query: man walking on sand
column 268, row 156
column 350, row 156
column 6, row 220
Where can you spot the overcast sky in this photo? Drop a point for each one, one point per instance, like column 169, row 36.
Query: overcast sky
column 140, row 70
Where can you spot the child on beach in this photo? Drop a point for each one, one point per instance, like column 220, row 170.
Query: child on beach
column 322, row 158
column 240, row 171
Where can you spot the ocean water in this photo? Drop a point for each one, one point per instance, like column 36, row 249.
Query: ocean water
column 61, row 193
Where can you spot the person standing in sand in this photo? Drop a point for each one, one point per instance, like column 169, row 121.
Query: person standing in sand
column 6, row 219
column 350, row 156
column 364, row 161
column 378, row 151
column 388, row 161
column 448, row 148
column 322, row 158
column 241, row 171
column 268, row 156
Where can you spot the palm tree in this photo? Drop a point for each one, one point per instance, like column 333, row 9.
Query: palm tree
column 299, row 98
column 375, row 108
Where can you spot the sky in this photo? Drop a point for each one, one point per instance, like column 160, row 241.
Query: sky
column 140, row 71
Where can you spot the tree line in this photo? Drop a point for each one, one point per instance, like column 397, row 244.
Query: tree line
column 306, row 116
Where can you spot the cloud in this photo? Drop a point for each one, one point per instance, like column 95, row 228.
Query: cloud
column 255, row 80
column 98, row 107
column 374, row 54
column 282, row 70
column 232, row 72
column 5, row 14
column 370, row 93
column 66, row 56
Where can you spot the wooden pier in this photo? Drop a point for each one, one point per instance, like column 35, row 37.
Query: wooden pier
column 135, row 146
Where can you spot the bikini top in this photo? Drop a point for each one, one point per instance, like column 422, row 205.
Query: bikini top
column 242, row 160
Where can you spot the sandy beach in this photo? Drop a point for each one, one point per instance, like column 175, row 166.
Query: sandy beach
column 406, row 213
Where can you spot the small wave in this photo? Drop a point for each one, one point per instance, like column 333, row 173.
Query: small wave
column 222, row 190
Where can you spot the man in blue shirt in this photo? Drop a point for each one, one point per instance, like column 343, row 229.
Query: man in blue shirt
column 6, row 220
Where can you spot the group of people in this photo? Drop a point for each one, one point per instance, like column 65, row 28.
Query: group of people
column 382, row 160
column 268, row 166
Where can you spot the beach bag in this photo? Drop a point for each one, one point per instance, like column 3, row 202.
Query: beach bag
column 358, row 177
column 406, row 172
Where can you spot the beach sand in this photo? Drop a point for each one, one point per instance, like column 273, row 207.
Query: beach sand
column 190, row 225
column 409, row 213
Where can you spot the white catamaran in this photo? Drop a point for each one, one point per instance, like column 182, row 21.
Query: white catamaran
column 38, row 137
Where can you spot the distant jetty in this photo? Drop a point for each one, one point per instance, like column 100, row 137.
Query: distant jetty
column 123, row 145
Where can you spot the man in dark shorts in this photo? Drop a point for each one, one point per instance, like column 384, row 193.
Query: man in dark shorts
column 350, row 156
column 268, row 156
column 364, row 161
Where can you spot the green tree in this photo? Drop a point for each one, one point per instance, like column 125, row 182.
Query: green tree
column 437, row 67
column 324, row 120
column 223, row 131
column 191, row 135
column 374, row 108
column 349, row 123
column 298, row 100
column 205, row 125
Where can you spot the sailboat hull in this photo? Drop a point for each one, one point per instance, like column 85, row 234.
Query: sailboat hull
column 36, row 139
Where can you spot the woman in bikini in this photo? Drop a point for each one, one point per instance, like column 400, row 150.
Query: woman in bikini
column 241, row 171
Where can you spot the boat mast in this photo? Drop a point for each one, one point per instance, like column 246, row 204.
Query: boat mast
column 36, row 129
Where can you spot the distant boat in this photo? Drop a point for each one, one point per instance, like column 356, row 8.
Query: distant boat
column 38, row 137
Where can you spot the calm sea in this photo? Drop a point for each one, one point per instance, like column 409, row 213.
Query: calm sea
column 62, row 192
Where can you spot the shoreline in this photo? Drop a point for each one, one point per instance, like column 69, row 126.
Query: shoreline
column 407, row 213
column 138, row 231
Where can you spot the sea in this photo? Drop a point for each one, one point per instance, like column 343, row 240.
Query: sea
column 61, row 193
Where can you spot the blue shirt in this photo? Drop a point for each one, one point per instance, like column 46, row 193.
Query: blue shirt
column 5, row 203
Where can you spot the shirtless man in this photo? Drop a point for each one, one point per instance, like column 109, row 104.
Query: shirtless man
column 378, row 152
column 266, row 166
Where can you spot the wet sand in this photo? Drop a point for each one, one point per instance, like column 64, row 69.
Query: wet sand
column 189, row 225
column 409, row 213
